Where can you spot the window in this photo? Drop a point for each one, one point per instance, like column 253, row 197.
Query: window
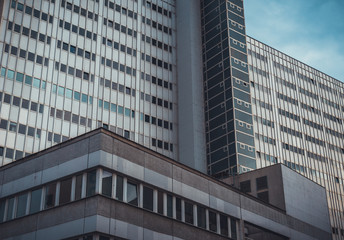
column 212, row 221
column 245, row 186
column 65, row 191
column 10, row 205
column 169, row 205
column 16, row 101
column 189, row 213
column 13, row 126
column 201, row 222
column 35, row 203
column 160, row 202
column 78, row 187
column 10, row 74
column 91, row 183
column 224, row 225
column 132, row 195
column 50, row 193
column 119, row 188
column 21, row 205
column 107, row 183
column 147, row 198
column 19, row 77
column 263, row 196
column 262, row 183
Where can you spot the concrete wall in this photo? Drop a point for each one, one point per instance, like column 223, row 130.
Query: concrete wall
column 191, row 139
column 305, row 200
column 275, row 183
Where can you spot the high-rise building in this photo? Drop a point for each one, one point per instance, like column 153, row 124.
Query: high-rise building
column 265, row 107
column 298, row 115
column 177, row 76
column 71, row 66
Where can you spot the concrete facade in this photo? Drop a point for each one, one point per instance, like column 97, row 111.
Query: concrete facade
column 101, row 152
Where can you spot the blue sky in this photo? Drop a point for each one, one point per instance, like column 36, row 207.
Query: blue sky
column 311, row 31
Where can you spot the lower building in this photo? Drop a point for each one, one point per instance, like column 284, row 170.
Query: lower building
column 103, row 186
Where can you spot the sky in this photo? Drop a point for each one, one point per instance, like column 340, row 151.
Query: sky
column 311, row 31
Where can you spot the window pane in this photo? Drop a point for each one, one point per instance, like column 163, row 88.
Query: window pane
column 107, row 183
column 69, row 93
column 21, row 208
column 20, row 77
column 10, row 74
column 147, row 198
column 28, row 80
column 201, row 216
column 50, row 193
column 178, row 209
column 119, row 188
column 212, row 221
column 224, row 225
column 233, row 228
column 160, row 202
column 78, row 187
column 35, row 203
column 65, row 191
column 3, row 72
column 132, row 197
column 10, row 205
column 188, row 213
column 91, row 183
column 36, row 83
column 2, row 210
column 169, row 206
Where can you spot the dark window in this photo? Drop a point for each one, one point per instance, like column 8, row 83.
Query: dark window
column 132, row 194
column 14, row 50
column 31, row 56
column 31, row 131
column 44, row 16
column 262, row 183
column 17, row 28
column 16, row 101
column 245, row 186
column 65, row 191
column 74, row 29
column 3, row 124
column 9, row 153
column 36, row 13
column 189, row 213
column 7, row 98
column 26, row 31
column 28, row 10
column 179, row 209
column 119, row 188
column 50, row 193
column 22, row 53
column 147, row 198
column 263, row 196
column 25, row 104
column 107, row 183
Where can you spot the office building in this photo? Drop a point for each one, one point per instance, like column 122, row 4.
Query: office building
column 179, row 77
column 68, row 67
column 263, row 107
column 103, row 186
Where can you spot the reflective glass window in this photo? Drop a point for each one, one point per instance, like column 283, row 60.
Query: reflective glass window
column 65, row 191
column 20, row 77
column 119, row 188
column 21, row 205
column 28, row 80
column 10, row 206
column 50, row 193
column 107, row 183
column 78, row 187
column 147, row 198
column 91, row 183
column 10, row 74
column 132, row 194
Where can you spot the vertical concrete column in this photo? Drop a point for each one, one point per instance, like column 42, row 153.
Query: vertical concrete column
column 72, row 192
column 57, row 193
column 155, row 200
column 84, row 182
column 191, row 128
column 195, row 214
column 114, row 181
